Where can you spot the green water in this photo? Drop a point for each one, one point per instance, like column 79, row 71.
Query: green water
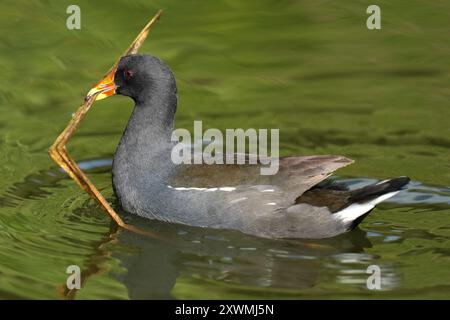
column 310, row 68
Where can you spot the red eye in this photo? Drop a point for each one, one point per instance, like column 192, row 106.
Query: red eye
column 128, row 74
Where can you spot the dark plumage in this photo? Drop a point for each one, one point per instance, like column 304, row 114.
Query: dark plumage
column 336, row 198
column 286, row 205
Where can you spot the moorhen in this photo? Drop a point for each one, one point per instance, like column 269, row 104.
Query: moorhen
column 290, row 204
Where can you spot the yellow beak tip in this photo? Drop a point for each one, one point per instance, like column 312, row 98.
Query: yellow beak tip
column 104, row 93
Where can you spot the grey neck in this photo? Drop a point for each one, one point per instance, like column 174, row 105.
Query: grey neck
column 153, row 118
column 148, row 131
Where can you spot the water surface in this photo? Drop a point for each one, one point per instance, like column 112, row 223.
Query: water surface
column 309, row 68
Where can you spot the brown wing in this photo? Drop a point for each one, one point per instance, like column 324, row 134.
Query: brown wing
column 296, row 174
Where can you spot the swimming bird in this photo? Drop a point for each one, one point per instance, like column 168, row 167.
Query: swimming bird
column 293, row 203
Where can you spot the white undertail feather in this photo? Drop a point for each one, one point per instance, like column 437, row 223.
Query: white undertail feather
column 355, row 210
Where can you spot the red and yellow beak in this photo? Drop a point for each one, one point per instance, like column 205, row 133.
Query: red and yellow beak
column 106, row 86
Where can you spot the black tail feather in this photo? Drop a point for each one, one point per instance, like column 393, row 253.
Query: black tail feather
column 376, row 190
column 337, row 198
